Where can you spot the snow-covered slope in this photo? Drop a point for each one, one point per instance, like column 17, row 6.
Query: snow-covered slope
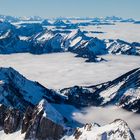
column 122, row 47
column 11, row 43
column 18, row 92
column 123, row 91
column 5, row 26
column 117, row 130
column 46, row 42
column 84, row 46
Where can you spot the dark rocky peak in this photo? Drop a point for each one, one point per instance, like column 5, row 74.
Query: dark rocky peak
column 46, row 123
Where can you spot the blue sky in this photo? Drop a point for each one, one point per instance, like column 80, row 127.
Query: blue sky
column 71, row 8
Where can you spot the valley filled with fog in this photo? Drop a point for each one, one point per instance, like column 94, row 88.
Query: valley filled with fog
column 61, row 70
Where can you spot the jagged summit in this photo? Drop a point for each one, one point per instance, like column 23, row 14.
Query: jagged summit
column 59, row 23
column 117, row 130
column 50, row 112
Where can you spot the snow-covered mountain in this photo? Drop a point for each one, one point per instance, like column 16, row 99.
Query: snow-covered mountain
column 84, row 46
column 46, row 42
column 59, row 22
column 9, row 18
column 123, row 91
column 11, row 43
column 117, row 130
column 46, row 23
column 18, row 92
column 33, row 38
column 29, row 29
column 122, row 47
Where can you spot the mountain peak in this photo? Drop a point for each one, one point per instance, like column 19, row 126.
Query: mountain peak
column 118, row 130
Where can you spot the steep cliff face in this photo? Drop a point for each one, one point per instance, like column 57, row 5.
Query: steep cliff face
column 10, row 119
column 46, row 123
column 41, row 122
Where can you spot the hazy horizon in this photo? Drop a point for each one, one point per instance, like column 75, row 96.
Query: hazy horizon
column 66, row 8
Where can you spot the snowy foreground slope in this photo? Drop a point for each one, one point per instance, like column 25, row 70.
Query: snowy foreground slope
column 42, row 120
column 117, row 130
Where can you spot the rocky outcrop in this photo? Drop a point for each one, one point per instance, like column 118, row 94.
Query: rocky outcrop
column 26, row 119
column 42, row 122
column 10, row 119
column 2, row 115
column 46, row 123
column 117, row 130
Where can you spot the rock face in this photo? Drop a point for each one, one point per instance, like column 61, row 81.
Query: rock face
column 12, row 120
column 46, row 123
column 9, row 119
column 26, row 119
column 123, row 91
column 2, row 115
column 42, row 122
column 117, row 130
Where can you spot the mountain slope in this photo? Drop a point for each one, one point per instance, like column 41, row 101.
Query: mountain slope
column 122, row 47
column 123, row 91
column 46, row 42
column 18, row 92
column 117, row 130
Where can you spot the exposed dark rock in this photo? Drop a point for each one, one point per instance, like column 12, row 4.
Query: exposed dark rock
column 12, row 120
column 2, row 115
column 26, row 119
column 42, row 127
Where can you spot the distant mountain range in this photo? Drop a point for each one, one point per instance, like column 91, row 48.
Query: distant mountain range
column 34, row 38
